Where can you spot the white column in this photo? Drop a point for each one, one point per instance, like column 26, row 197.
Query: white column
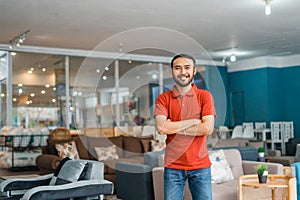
column 9, row 117
column 67, row 89
column 161, row 78
column 117, row 112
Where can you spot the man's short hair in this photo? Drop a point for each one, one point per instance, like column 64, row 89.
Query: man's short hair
column 182, row 56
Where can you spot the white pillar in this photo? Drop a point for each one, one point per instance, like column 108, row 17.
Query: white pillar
column 67, row 89
column 117, row 112
column 161, row 78
column 9, row 117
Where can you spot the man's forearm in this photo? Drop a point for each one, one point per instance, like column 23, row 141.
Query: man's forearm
column 169, row 127
column 205, row 128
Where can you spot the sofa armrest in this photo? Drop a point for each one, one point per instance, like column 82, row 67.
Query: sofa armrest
column 273, row 153
column 134, row 181
column 273, row 168
column 86, row 188
column 24, row 183
column 48, row 161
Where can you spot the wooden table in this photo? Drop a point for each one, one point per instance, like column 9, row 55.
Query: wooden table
column 274, row 182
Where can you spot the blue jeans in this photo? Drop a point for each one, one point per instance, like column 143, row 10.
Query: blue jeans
column 199, row 183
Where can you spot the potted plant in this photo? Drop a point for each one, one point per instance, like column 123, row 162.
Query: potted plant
column 261, row 152
column 262, row 172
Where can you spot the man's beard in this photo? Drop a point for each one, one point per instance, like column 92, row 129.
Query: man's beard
column 183, row 84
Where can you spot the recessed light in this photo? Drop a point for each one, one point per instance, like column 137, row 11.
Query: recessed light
column 154, row 76
column 47, row 85
column 98, row 70
column 106, row 68
column 104, row 77
column 32, row 94
column 43, row 91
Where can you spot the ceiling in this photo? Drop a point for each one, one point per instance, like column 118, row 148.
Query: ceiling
column 209, row 29
column 221, row 27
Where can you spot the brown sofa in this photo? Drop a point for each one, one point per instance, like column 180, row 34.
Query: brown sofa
column 129, row 149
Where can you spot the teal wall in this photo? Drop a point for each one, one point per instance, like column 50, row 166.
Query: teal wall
column 217, row 82
column 270, row 94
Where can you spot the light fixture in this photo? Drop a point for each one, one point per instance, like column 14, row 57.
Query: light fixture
column 232, row 58
column 18, row 40
column 267, row 7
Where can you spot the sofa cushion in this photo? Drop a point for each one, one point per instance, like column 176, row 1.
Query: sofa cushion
column 93, row 142
column 234, row 160
column 227, row 190
column 67, row 149
column 81, row 143
column 105, row 153
column 52, row 143
column 157, row 145
column 132, row 146
column 220, row 169
column 70, row 172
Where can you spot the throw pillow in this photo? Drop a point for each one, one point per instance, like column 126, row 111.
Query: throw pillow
column 157, row 145
column 68, row 149
column 70, row 172
column 220, row 170
column 55, row 174
column 105, row 153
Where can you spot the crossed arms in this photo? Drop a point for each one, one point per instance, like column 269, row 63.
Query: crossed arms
column 191, row 127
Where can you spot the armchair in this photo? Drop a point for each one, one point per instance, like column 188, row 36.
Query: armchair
column 76, row 178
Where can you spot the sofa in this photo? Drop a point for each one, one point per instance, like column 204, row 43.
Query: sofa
column 128, row 149
column 145, row 181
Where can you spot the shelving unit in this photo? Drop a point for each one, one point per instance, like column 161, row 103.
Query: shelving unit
column 22, row 143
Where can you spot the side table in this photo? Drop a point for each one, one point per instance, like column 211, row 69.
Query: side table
column 274, row 183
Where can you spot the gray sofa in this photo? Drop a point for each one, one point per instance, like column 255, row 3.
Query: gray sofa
column 145, row 181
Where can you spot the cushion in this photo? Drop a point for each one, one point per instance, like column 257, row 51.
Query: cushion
column 220, row 170
column 67, row 150
column 93, row 142
column 105, row 153
column 132, row 146
column 51, row 145
column 157, row 145
column 70, row 172
column 81, row 143
column 146, row 145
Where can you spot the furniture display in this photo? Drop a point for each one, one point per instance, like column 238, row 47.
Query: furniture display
column 281, row 187
column 225, row 190
column 24, row 144
column 237, row 132
column 248, row 132
column 260, row 125
column 223, row 132
column 75, row 179
column 281, row 132
column 128, row 149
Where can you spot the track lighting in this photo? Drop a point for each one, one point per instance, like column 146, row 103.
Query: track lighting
column 267, row 7
column 18, row 40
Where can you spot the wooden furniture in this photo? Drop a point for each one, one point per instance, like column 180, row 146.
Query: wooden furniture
column 281, row 187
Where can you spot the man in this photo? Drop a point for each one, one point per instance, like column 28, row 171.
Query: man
column 186, row 114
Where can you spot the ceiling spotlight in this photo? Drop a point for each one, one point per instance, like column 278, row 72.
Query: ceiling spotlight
column 232, row 58
column 18, row 40
column 267, row 7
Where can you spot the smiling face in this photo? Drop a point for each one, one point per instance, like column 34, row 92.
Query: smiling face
column 183, row 71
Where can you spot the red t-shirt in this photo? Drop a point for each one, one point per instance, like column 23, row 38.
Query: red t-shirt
column 185, row 152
